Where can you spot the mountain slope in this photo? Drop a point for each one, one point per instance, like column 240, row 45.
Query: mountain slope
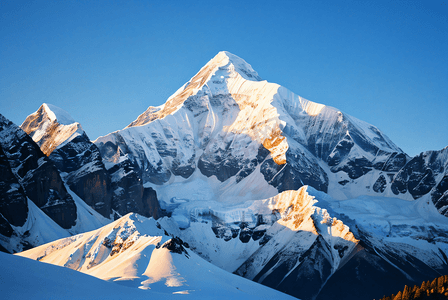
column 64, row 141
column 311, row 246
column 36, row 174
column 135, row 251
column 35, row 204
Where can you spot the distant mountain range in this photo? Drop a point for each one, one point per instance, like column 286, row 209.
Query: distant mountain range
column 256, row 180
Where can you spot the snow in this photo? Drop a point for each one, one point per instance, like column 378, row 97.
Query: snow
column 227, row 108
column 23, row 278
column 58, row 115
column 137, row 258
column 39, row 229
column 401, row 224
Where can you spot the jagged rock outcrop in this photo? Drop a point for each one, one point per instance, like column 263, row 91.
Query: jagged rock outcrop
column 13, row 201
column 67, row 145
column 129, row 193
column 37, row 175
column 114, row 192
column 36, row 206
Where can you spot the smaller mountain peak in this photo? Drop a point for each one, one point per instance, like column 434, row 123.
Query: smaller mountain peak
column 56, row 114
column 51, row 127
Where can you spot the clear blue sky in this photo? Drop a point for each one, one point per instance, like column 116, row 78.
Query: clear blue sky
column 105, row 62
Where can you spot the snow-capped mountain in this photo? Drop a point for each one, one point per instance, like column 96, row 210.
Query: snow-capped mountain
column 226, row 138
column 227, row 122
column 258, row 181
column 137, row 252
column 36, row 206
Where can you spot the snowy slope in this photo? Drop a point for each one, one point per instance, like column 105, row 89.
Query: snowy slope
column 299, row 241
column 40, row 229
column 135, row 251
column 293, row 194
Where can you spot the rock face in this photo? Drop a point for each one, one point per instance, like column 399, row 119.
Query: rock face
column 32, row 193
column 36, row 206
column 129, row 193
column 37, row 175
column 114, row 192
column 13, row 202
column 86, row 174
column 67, row 145
column 426, row 173
column 228, row 136
column 138, row 253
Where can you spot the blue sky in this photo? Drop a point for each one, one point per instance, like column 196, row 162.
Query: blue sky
column 105, row 62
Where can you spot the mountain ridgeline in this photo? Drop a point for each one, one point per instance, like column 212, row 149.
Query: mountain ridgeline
column 265, row 184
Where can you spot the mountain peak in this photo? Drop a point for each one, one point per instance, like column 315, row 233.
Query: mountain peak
column 56, row 114
column 226, row 59
column 218, row 70
column 51, row 127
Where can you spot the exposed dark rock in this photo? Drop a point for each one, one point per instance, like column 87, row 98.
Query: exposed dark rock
column 354, row 168
column 374, row 271
column 341, row 151
column 393, row 164
column 306, row 271
column 220, row 164
column 245, row 234
column 151, row 206
column 5, row 227
column 258, row 234
column 129, row 193
column 86, row 174
column 176, row 245
column 417, row 177
column 380, row 184
column 297, row 172
column 13, row 202
column 183, row 170
column 37, row 175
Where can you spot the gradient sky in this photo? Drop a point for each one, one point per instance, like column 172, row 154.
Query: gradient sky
column 105, row 62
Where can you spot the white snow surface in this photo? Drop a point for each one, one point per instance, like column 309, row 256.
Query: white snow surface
column 39, row 227
column 293, row 220
column 413, row 227
column 130, row 252
column 57, row 114
column 199, row 187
